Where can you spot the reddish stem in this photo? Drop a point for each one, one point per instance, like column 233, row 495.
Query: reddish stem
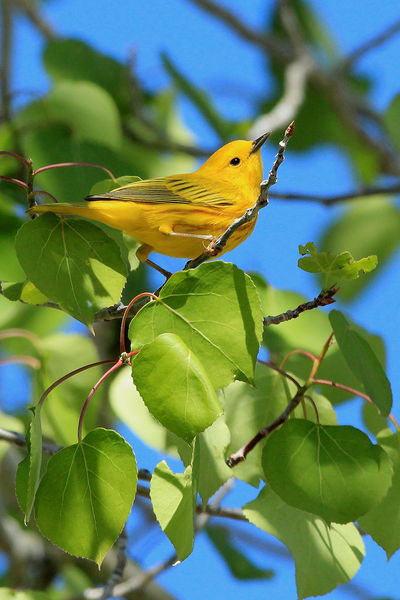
column 30, row 361
column 13, row 180
column 25, row 161
column 44, row 193
column 281, row 371
column 115, row 366
column 71, row 374
column 73, row 164
column 303, row 352
column 122, row 347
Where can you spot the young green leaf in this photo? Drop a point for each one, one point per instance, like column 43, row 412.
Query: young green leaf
column 181, row 397
column 334, row 267
column 362, row 361
column 382, row 523
column 173, row 502
column 73, row 263
column 332, row 471
column 86, row 494
column 29, row 469
column 238, row 563
column 216, row 311
column 325, row 555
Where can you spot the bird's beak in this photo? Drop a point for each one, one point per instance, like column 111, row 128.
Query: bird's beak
column 259, row 142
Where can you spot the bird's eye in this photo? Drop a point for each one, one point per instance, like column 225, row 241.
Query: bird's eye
column 235, row 161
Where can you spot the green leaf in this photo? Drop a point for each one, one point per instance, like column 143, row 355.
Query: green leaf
column 181, row 397
column 391, row 120
column 238, row 564
column 173, row 502
column 382, row 523
column 222, row 127
column 334, row 267
column 29, row 470
column 325, row 555
column 332, row 471
column 86, row 494
column 249, row 408
column 62, row 353
column 370, row 226
column 129, row 407
column 24, row 291
column 73, row 263
column 363, row 362
column 210, row 471
column 81, row 106
column 216, row 311
column 85, row 63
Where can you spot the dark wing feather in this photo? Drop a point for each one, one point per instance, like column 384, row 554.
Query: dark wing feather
column 167, row 190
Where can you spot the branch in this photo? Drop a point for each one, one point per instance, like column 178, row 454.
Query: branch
column 19, row 440
column 216, row 246
column 329, row 200
column 119, row 568
column 377, row 40
column 34, row 16
column 323, row 299
column 286, row 109
column 269, row 43
column 241, row 454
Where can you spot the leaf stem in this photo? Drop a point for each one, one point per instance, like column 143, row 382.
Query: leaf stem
column 122, row 347
column 74, row 164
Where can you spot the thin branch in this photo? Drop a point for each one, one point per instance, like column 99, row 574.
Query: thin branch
column 216, row 246
column 118, row 571
column 286, row 109
column 329, row 200
column 241, row 454
column 323, row 299
column 377, row 40
column 31, row 11
column 266, row 42
column 19, row 440
column 271, row 365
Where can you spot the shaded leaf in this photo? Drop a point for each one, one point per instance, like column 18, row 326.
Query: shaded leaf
column 73, row 263
column 173, row 502
column 182, row 397
column 238, row 564
column 325, row 555
column 332, row 471
column 363, row 362
column 29, row 469
column 382, row 523
column 86, row 494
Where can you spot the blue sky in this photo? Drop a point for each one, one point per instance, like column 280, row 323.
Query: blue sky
column 235, row 75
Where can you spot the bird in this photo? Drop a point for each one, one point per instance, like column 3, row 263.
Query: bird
column 179, row 215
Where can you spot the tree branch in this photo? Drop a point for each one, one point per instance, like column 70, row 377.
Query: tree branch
column 241, row 454
column 216, row 246
column 5, row 69
column 323, row 299
column 377, row 40
column 330, row 200
column 31, row 11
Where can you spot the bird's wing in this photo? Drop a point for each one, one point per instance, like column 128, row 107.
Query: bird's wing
column 175, row 189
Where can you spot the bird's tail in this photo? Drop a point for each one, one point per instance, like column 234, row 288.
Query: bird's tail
column 60, row 208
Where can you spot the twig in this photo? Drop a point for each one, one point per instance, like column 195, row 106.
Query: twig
column 268, row 43
column 19, row 440
column 323, row 299
column 33, row 14
column 329, row 200
column 286, row 109
column 219, row 244
column 119, row 568
column 377, row 40
column 241, row 454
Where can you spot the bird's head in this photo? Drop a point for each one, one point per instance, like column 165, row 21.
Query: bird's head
column 238, row 163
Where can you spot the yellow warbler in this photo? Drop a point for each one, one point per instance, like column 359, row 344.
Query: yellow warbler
column 178, row 215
